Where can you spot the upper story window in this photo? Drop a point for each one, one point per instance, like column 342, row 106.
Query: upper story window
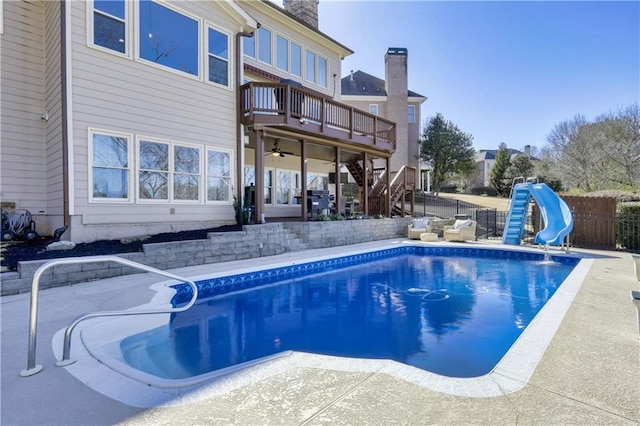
column 218, row 64
column 249, row 46
column 411, row 114
column 168, row 38
column 282, row 53
column 110, row 165
column 264, row 45
column 310, row 66
column 110, row 25
column 296, row 59
column 373, row 109
column 322, row 71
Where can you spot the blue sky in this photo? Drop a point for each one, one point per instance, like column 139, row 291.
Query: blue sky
column 502, row 71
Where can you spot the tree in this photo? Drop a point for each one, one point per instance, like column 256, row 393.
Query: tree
column 499, row 178
column 595, row 155
column 521, row 165
column 447, row 149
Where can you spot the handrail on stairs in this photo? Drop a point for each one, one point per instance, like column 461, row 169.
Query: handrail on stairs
column 32, row 368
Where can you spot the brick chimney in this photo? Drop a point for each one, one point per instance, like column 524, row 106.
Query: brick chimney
column 396, row 86
column 305, row 10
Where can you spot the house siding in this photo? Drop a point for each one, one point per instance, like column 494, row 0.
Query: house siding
column 23, row 174
column 119, row 94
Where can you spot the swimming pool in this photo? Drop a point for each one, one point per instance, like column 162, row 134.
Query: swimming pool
column 427, row 312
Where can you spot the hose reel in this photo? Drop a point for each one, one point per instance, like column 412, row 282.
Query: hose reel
column 18, row 223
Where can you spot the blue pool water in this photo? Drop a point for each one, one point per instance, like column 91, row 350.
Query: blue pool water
column 454, row 312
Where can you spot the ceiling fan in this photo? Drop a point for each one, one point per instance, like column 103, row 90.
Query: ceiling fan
column 277, row 152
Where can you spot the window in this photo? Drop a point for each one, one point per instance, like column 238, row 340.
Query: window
column 268, row 186
column 373, row 109
column 282, row 53
column 218, row 46
column 110, row 157
column 264, row 45
column 310, row 66
column 218, row 176
column 109, row 25
column 412, row 114
column 322, row 71
column 296, row 59
column 283, row 187
column 168, row 171
column 168, row 38
column 153, row 176
column 315, row 181
column 249, row 46
column 186, row 177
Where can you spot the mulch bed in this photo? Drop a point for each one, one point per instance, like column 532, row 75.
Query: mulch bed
column 16, row 251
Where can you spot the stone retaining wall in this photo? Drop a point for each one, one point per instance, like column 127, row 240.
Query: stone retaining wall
column 253, row 241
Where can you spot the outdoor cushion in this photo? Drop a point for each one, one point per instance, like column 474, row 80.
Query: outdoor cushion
column 460, row 223
column 420, row 223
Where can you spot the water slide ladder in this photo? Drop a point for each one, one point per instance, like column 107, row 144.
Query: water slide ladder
column 517, row 217
column 32, row 368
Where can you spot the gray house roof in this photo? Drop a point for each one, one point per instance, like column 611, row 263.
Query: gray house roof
column 362, row 84
column 490, row 154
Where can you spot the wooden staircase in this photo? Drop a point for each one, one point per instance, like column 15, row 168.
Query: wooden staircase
column 401, row 189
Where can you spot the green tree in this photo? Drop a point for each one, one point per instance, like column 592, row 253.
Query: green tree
column 521, row 165
column 499, row 179
column 447, row 149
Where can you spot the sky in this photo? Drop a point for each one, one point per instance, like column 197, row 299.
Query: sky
column 504, row 71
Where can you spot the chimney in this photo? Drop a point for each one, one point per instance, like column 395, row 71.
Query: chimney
column 396, row 86
column 305, row 10
column 351, row 77
column 527, row 150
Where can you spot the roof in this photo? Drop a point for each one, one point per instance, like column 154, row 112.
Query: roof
column 360, row 83
column 490, row 154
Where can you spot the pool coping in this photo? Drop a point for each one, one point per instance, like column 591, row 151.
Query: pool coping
column 511, row 373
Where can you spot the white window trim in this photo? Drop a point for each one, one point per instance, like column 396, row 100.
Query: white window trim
column 377, row 113
column 171, row 172
column 206, row 175
column 230, row 65
column 315, row 65
column 131, row 167
column 128, row 31
column 326, row 77
column 201, row 52
column 201, row 174
column 414, row 113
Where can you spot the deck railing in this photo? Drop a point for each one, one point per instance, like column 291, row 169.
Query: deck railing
column 303, row 109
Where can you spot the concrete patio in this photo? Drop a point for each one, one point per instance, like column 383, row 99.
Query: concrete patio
column 589, row 374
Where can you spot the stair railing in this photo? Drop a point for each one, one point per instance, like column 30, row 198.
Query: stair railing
column 32, row 368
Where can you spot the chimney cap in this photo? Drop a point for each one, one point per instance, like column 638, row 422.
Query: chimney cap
column 397, row 51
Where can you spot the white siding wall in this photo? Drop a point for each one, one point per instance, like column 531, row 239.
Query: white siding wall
column 124, row 95
column 23, row 174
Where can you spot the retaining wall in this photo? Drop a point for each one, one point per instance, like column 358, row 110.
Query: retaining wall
column 253, row 241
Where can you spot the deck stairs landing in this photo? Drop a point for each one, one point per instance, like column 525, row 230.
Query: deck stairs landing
column 514, row 227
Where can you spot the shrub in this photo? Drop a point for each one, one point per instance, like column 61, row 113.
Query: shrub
column 449, row 189
column 484, row 190
column 628, row 226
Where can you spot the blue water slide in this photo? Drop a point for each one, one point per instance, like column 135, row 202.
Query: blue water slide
column 557, row 218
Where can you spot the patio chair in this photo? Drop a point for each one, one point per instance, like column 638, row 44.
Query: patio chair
column 462, row 230
column 417, row 227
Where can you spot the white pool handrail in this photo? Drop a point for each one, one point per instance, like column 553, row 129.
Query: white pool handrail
column 32, row 368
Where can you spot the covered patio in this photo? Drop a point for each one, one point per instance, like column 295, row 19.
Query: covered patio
column 314, row 133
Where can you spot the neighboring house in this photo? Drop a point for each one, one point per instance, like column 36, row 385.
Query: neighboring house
column 390, row 98
column 486, row 158
column 125, row 118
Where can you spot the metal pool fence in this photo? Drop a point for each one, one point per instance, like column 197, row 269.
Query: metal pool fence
column 593, row 228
